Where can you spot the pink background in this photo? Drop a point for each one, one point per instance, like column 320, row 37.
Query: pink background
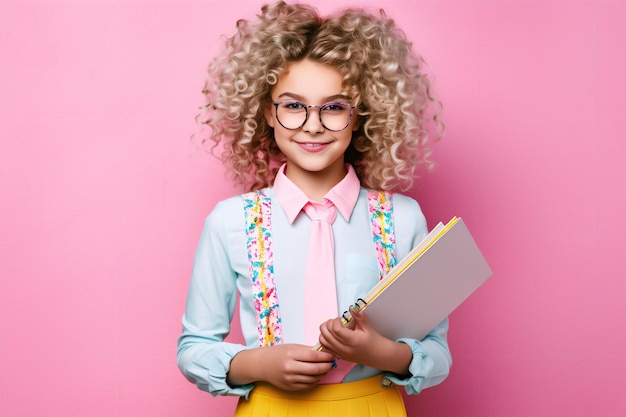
column 102, row 199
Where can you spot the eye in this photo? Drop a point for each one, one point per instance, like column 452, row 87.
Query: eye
column 292, row 106
column 336, row 107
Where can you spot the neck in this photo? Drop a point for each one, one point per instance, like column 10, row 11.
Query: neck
column 316, row 184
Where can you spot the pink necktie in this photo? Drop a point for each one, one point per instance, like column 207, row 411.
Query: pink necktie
column 320, row 288
column 319, row 279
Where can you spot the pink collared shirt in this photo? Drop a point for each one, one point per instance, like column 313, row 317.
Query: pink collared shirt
column 292, row 199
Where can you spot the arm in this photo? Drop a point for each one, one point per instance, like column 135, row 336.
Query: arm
column 203, row 355
column 431, row 361
column 414, row 364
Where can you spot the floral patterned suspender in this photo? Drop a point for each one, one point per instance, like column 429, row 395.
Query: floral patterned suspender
column 258, row 209
column 380, row 206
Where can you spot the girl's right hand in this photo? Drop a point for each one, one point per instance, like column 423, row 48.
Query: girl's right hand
column 285, row 366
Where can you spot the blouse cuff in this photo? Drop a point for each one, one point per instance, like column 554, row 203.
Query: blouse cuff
column 420, row 368
column 217, row 370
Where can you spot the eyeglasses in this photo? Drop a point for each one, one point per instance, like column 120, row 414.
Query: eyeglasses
column 334, row 116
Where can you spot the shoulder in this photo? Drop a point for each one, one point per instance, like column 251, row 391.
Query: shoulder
column 401, row 203
column 227, row 214
column 405, row 203
column 227, row 209
column 408, row 215
column 232, row 209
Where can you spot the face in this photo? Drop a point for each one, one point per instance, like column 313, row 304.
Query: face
column 312, row 151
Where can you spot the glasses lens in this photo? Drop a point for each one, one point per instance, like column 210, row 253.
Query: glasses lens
column 291, row 114
column 336, row 116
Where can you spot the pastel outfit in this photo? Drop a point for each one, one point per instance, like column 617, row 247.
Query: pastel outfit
column 222, row 271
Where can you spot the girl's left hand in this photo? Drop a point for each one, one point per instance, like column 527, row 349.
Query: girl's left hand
column 364, row 345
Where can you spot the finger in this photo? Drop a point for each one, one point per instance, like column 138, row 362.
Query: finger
column 330, row 345
column 360, row 319
column 335, row 330
column 331, row 351
column 323, row 357
column 325, row 340
column 307, row 354
column 311, row 373
column 334, row 346
column 328, row 325
column 300, row 384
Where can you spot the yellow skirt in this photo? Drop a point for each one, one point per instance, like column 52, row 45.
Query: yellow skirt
column 352, row 399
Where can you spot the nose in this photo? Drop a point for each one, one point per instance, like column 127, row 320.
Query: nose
column 313, row 122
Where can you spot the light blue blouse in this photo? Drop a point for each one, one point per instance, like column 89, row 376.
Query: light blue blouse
column 220, row 272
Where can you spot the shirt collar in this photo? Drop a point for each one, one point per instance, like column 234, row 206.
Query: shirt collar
column 344, row 195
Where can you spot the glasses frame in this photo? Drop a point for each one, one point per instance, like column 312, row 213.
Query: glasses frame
column 319, row 108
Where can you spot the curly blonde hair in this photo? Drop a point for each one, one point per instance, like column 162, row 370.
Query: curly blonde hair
column 390, row 89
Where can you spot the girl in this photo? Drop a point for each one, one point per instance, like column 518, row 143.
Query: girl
column 311, row 114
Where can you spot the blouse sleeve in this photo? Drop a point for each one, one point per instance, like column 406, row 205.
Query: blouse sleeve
column 431, row 361
column 431, row 356
column 203, row 355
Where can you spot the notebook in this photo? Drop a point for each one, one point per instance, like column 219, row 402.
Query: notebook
column 427, row 285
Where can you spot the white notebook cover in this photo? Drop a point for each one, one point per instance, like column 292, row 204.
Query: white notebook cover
column 449, row 269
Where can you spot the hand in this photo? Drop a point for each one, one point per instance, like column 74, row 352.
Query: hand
column 352, row 343
column 285, row 366
column 363, row 344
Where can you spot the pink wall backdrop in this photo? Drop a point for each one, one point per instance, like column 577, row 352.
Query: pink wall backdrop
column 102, row 199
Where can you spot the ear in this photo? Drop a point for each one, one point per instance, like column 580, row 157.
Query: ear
column 269, row 115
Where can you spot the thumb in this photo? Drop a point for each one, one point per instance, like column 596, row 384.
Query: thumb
column 360, row 319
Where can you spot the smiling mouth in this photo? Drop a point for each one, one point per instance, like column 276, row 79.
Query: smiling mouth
column 313, row 146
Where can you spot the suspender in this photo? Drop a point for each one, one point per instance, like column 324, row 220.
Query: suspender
column 258, row 210
column 380, row 206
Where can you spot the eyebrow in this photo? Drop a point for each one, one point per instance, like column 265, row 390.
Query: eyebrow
column 328, row 99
